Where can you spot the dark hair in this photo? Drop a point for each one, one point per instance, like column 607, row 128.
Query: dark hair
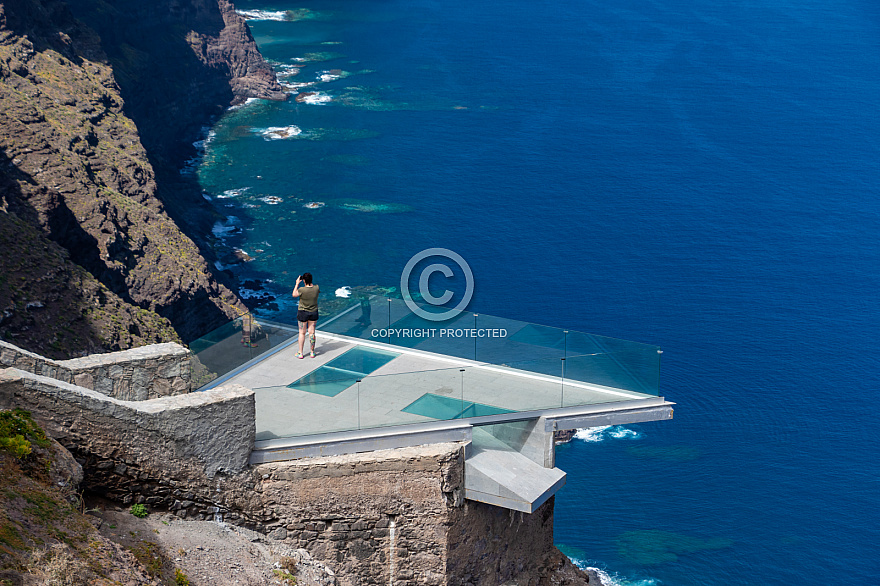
column 307, row 278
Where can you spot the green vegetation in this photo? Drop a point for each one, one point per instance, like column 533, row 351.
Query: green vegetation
column 180, row 578
column 139, row 511
column 10, row 536
column 149, row 554
column 285, row 576
column 17, row 431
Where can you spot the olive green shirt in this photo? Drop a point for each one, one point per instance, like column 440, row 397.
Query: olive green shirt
column 308, row 297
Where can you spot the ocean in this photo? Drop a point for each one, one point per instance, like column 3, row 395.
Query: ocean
column 698, row 175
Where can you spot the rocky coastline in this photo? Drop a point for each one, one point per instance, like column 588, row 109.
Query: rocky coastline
column 100, row 106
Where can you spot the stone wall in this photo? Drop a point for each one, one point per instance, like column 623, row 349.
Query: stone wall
column 192, row 436
column 148, row 372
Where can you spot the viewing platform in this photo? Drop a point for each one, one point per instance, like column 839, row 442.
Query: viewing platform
column 385, row 378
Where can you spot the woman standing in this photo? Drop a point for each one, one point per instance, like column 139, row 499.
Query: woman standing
column 307, row 312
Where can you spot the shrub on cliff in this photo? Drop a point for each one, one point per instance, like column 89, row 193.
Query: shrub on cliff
column 17, row 431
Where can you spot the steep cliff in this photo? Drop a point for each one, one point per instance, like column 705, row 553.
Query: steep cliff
column 178, row 63
column 87, row 191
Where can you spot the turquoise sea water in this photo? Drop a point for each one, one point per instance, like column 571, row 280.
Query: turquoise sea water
column 698, row 175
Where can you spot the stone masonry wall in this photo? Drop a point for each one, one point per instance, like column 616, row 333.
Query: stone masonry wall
column 192, row 436
column 148, row 372
column 370, row 517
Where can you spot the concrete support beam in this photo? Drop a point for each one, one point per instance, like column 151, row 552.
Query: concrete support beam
column 615, row 414
column 508, row 479
column 353, row 442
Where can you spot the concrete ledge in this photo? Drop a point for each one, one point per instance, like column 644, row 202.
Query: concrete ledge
column 137, row 374
column 608, row 414
column 510, row 480
column 352, row 442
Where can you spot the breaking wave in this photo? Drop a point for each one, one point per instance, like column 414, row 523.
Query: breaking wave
column 598, row 434
column 279, row 132
column 314, row 98
column 279, row 15
column 232, row 192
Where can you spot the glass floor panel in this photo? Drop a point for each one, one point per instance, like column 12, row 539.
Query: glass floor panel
column 343, row 371
column 440, row 407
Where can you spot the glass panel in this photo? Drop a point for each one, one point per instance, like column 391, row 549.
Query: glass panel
column 286, row 412
column 618, row 363
column 233, row 344
column 325, row 381
column 505, row 340
column 343, row 371
column 360, row 317
column 598, row 379
column 518, row 386
column 363, row 360
column 410, row 397
column 368, row 386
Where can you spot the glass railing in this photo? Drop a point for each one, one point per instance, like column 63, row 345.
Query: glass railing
column 392, row 367
column 496, row 340
column 356, row 392
column 236, row 343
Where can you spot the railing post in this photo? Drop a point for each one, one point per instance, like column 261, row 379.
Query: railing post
column 359, row 403
column 562, row 393
column 475, row 337
column 461, row 370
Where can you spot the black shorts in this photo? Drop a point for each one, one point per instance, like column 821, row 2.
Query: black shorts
column 302, row 315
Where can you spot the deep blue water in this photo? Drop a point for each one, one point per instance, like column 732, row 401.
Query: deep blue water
column 698, row 175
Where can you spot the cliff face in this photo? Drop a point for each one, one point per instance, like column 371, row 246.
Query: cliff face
column 84, row 189
column 178, row 64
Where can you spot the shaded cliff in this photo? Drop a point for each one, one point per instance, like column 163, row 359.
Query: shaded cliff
column 84, row 196
column 178, row 63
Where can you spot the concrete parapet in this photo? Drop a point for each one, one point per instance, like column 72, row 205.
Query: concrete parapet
column 138, row 374
column 186, row 436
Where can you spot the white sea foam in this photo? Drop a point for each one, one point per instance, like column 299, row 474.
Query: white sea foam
column 598, row 434
column 271, row 199
column 344, row 292
column 618, row 432
column 296, row 86
column 232, row 192
column 314, row 205
column 192, row 164
column 264, row 14
column 243, row 104
column 280, row 132
column 222, row 228
column 606, row 579
column 316, row 98
column 591, row 434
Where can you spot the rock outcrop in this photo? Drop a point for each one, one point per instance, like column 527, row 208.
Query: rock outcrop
column 99, row 104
